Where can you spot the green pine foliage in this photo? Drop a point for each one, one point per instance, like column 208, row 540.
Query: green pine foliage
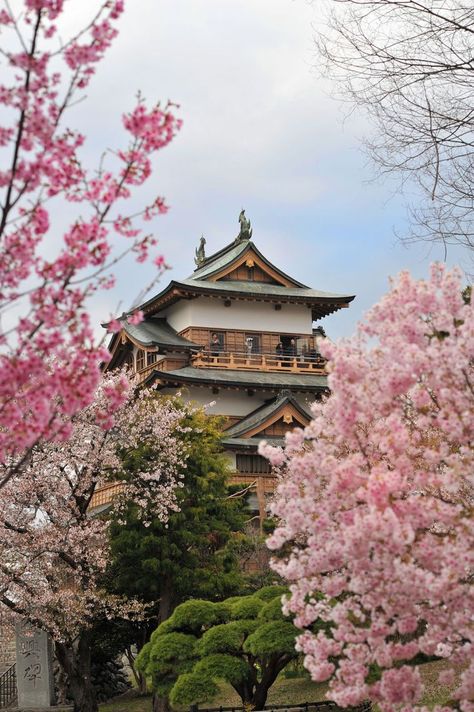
column 244, row 640
column 191, row 554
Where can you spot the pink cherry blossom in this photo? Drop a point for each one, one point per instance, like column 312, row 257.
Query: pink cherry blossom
column 49, row 360
column 136, row 317
column 375, row 501
column 53, row 552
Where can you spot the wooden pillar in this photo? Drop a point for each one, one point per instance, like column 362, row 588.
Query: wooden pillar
column 261, row 499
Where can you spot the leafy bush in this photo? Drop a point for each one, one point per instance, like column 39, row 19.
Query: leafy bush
column 245, row 641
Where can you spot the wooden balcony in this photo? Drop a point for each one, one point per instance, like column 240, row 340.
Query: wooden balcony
column 259, row 483
column 260, row 362
column 105, row 494
column 144, row 372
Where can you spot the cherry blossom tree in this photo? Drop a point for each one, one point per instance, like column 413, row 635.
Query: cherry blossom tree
column 408, row 65
column 49, row 361
column 53, row 552
column 375, row 503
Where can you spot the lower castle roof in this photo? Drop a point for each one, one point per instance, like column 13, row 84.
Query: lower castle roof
column 242, row 379
column 246, row 444
column 260, row 415
column 156, row 332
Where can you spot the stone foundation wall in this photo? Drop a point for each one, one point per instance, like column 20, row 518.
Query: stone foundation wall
column 7, row 648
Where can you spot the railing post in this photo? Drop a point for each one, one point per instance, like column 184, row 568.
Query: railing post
column 8, row 691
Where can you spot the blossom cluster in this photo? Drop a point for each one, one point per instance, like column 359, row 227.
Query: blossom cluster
column 53, row 548
column 49, row 361
column 375, row 502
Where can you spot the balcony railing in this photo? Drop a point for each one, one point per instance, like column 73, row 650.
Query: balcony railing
column 145, row 371
column 260, row 362
column 105, row 494
column 8, row 693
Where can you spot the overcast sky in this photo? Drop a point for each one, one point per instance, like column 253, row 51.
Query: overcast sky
column 261, row 131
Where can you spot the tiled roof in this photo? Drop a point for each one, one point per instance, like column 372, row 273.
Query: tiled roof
column 225, row 257
column 220, row 259
column 156, row 332
column 259, row 289
column 250, row 443
column 249, row 379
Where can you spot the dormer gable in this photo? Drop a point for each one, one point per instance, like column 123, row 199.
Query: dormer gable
column 251, row 268
column 274, row 419
column 242, row 263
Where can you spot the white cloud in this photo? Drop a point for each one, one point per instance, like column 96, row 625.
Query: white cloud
column 260, row 131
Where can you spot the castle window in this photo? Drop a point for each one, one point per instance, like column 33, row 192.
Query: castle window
column 151, row 357
column 140, row 359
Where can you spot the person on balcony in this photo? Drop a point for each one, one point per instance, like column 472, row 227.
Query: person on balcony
column 291, row 349
column 279, row 349
column 216, row 345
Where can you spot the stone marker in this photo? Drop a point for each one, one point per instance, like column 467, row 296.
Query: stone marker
column 34, row 669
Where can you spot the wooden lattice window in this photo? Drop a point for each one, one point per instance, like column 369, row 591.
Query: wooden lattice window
column 151, row 357
column 141, row 359
column 252, row 465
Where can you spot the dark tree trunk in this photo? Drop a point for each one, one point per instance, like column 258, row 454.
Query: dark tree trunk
column 167, row 605
column 246, row 690
column 75, row 660
column 270, row 673
column 139, row 678
column 260, row 697
column 160, row 704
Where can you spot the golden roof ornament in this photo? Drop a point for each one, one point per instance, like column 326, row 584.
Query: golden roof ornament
column 199, row 253
column 245, row 233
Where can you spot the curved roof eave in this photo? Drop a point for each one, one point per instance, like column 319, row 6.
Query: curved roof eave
column 226, row 378
column 246, row 289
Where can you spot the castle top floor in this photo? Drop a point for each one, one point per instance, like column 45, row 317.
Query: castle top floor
column 236, row 301
column 238, row 274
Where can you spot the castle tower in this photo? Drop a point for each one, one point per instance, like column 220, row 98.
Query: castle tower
column 239, row 333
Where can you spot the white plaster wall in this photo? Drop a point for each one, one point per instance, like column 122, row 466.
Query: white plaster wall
column 232, row 402
column 253, row 316
column 224, row 403
column 180, row 315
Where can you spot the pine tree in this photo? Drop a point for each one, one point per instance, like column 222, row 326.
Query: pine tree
column 193, row 555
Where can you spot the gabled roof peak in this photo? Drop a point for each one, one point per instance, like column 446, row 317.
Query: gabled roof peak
column 235, row 254
column 229, row 252
column 244, row 236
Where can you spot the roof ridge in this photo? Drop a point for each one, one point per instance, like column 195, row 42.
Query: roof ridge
column 217, row 254
column 209, row 261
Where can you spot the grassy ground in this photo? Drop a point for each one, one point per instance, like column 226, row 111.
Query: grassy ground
column 288, row 691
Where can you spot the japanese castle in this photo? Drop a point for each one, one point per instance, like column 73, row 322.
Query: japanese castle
column 238, row 334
